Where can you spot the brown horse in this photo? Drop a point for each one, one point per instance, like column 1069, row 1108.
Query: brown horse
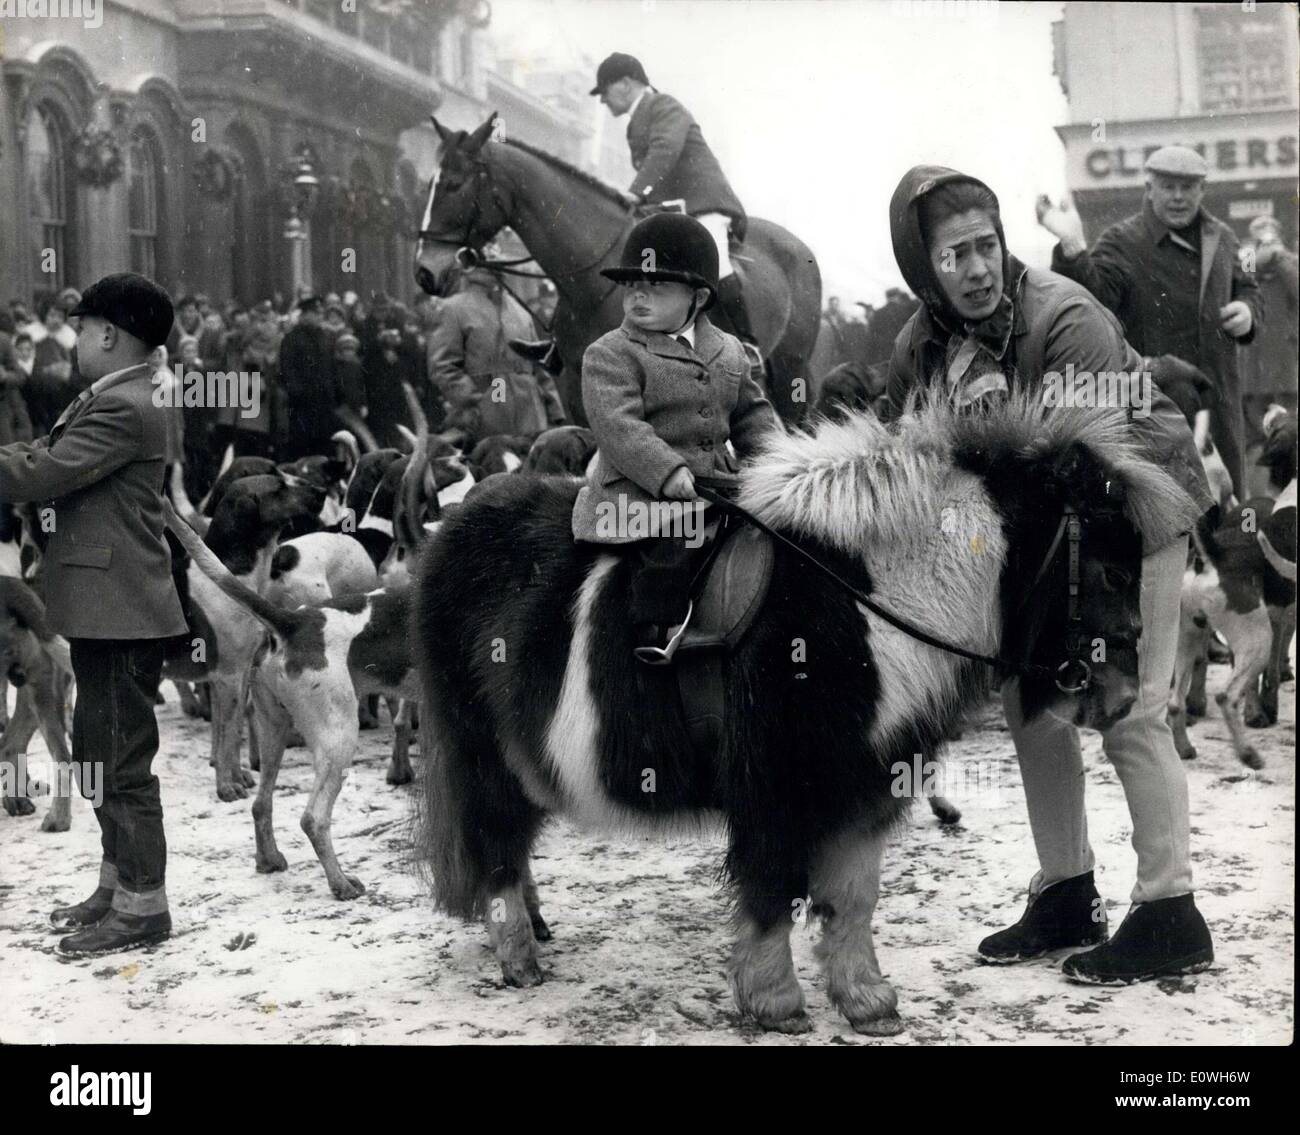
column 574, row 225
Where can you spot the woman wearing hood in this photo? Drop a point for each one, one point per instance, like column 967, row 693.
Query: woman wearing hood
column 987, row 326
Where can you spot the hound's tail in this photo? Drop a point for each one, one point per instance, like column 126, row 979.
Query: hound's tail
column 184, row 505
column 277, row 618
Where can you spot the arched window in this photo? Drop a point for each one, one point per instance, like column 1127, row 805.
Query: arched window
column 142, row 206
column 48, row 199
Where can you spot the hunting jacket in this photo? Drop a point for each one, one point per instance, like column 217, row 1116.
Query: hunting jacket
column 673, row 160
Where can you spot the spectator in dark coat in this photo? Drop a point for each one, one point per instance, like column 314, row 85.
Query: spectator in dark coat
column 1270, row 366
column 1172, row 275
column 306, row 373
column 886, row 323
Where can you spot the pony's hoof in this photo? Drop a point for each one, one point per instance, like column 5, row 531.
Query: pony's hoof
column 541, row 931
column 889, row 1025
column 1250, row 757
column 1189, row 753
column 269, row 864
column 791, row 1026
column 522, row 975
column 53, row 823
column 1259, row 718
column 19, row 806
column 350, row 887
column 250, row 781
column 398, row 776
column 228, row 793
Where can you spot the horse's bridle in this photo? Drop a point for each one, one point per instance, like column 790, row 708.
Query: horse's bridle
column 1075, row 670
column 470, row 256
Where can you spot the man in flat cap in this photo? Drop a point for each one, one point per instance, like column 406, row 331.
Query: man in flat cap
column 1172, row 275
column 109, row 591
column 674, row 162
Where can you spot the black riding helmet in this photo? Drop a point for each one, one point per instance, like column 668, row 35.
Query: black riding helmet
column 669, row 246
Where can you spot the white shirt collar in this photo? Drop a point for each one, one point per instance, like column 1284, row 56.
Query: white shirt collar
column 687, row 333
column 636, row 102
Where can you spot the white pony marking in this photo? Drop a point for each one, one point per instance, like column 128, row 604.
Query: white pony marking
column 454, row 494
column 571, row 736
column 511, row 461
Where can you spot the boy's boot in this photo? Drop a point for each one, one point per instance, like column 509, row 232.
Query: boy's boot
column 1156, row 939
column 1065, row 914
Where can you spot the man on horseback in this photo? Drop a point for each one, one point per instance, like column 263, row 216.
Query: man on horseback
column 987, row 325
column 674, row 164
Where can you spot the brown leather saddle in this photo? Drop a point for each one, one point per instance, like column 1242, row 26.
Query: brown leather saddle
column 729, row 593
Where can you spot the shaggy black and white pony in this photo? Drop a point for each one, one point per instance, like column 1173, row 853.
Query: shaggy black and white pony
column 535, row 704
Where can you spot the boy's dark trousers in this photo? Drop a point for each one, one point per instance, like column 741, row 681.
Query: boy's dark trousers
column 114, row 729
column 663, row 568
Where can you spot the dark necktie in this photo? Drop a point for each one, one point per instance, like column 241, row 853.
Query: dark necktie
column 685, row 342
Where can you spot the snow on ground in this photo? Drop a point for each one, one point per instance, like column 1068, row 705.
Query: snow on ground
column 641, row 935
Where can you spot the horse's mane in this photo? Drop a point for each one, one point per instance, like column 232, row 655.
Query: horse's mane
column 856, row 479
column 588, row 179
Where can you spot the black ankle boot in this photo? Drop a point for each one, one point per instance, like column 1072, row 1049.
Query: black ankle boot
column 117, row 931
column 1156, row 939
column 84, row 913
column 1068, row 913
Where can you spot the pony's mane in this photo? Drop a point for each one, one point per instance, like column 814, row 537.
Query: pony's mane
column 588, row 179
column 854, row 479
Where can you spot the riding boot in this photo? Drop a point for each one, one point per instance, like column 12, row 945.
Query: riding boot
column 731, row 296
column 544, row 352
column 1068, row 913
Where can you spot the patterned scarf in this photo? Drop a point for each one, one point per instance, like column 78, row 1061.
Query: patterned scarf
column 975, row 359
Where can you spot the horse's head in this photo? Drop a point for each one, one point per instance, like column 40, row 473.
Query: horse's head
column 465, row 209
column 1078, row 502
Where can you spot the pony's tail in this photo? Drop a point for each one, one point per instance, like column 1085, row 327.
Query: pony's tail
column 444, row 820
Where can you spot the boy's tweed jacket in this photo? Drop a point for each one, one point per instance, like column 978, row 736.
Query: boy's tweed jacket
column 656, row 405
column 108, row 569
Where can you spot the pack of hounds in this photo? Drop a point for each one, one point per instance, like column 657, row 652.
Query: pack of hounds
column 296, row 582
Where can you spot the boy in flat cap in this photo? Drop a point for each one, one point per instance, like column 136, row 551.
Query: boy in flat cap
column 109, row 591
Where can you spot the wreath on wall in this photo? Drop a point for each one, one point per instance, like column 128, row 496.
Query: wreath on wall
column 215, row 175
column 97, row 156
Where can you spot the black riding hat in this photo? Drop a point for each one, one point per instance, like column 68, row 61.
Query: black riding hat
column 615, row 67
column 669, row 246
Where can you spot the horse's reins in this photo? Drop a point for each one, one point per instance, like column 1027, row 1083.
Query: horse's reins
column 1068, row 527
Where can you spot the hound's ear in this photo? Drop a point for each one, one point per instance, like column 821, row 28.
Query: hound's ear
column 481, row 135
column 443, row 133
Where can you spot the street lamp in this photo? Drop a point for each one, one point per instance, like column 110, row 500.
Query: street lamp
column 305, row 186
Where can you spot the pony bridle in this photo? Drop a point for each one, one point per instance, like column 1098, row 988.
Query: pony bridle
column 1072, row 676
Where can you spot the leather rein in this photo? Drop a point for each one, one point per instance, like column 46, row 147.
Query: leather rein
column 1071, row 677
